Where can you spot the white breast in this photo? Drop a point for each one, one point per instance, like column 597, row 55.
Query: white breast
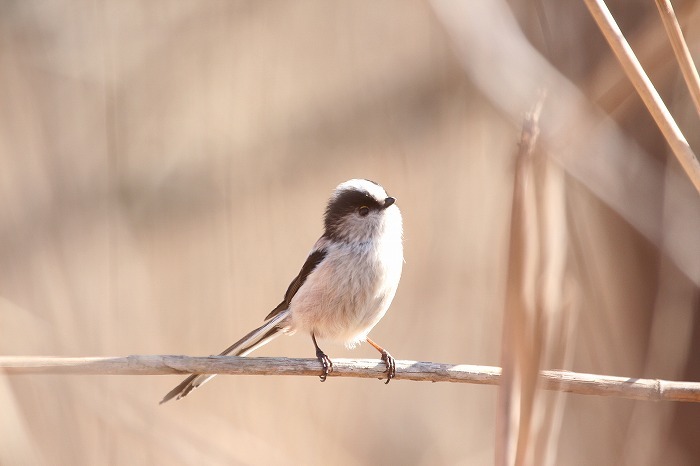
column 350, row 290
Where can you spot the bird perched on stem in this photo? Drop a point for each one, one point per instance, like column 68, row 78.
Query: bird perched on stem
column 346, row 284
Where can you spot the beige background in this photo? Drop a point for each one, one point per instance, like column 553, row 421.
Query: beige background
column 164, row 170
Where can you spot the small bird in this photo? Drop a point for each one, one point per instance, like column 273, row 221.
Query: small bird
column 346, row 284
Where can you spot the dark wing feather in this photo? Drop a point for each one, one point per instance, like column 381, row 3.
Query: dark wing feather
column 311, row 263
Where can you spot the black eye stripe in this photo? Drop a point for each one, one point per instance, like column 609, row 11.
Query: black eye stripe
column 345, row 203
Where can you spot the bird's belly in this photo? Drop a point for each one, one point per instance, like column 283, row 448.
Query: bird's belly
column 344, row 298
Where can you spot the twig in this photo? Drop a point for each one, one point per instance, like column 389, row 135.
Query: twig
column 646, row 90
column 558, row 380
column 680, row 48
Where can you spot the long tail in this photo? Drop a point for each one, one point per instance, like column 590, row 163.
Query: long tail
column 249, row 343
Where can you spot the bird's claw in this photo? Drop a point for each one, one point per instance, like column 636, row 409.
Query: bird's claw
column 390, row 366
column 326, row 363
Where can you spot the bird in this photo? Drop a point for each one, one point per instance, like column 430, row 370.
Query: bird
column 345, row 286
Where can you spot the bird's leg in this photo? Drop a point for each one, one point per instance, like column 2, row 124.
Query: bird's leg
column 323, row 359
column 388, row 360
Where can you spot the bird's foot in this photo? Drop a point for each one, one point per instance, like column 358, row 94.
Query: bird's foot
column 326, row 363
column 390, row 366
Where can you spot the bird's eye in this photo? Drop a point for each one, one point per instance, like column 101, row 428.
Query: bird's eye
column 364, row 210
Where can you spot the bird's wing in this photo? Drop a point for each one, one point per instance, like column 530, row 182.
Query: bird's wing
column 315, row 258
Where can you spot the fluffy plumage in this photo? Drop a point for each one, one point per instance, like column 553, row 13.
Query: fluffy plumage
column 346, row 284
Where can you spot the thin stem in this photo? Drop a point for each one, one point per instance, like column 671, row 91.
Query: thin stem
column 646, row 90
column 680, row 48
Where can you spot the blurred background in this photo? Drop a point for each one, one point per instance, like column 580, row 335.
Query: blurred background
column 164, row 167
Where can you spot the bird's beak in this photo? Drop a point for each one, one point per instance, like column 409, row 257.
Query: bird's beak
column 389, row 201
